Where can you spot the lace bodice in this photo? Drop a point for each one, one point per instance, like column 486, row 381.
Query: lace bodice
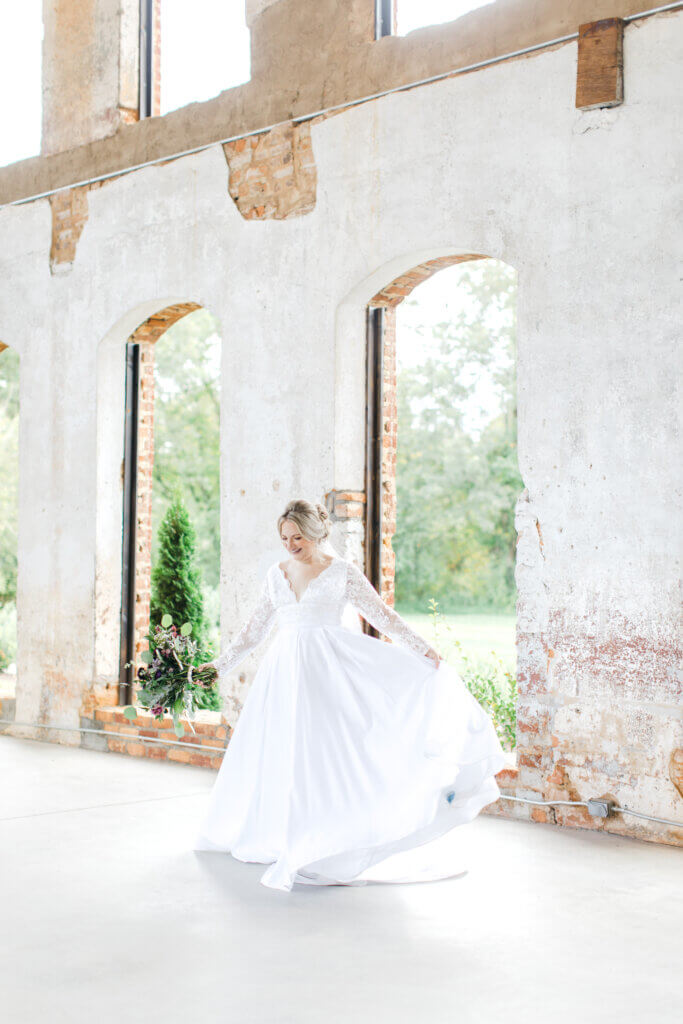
column 322, row 602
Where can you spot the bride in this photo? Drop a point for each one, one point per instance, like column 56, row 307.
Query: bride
column 352, row 759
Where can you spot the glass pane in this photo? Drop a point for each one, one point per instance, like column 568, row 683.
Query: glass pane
column 412, row 14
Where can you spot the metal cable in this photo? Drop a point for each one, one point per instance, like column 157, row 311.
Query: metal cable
column 330, row 110
column 102, row 732
column 583, row 803
column 648, row 817
column 201, row 746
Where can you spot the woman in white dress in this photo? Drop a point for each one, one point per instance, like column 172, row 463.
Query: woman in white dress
column 351, row 756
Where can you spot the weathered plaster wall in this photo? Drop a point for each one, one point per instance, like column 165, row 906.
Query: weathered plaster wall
column 500, row 163
column 253, row 8
column 90, row 70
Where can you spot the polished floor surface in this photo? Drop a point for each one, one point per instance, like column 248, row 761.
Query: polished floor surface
column 107, row 914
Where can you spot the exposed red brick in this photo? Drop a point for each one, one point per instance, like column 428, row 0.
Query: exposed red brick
column 128, row 115
column 389, row 445
column 507, row 777
column 210, row 730
column 531, row 757
column 201, row 760
column 344, row 505
column 69, row 215
column 617, row 661
column 178, row 754
column 156, row 753
column 69, row 208
column 576, row 817
column 600, row 64
column 96, row 697
column 397, row 291
column 273, row 175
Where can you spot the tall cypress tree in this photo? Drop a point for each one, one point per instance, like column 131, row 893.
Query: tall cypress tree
column 176, row 581
column 176, row 587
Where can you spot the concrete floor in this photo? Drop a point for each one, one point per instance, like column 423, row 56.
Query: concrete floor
column 108, row 915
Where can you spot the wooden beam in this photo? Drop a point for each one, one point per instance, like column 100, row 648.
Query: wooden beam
column 600, row 66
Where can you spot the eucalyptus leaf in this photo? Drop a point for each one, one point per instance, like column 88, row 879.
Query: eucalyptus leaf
column 147, row 657
column 130, row 712
column 186, row 629
column 166, row 620
column 179, row 729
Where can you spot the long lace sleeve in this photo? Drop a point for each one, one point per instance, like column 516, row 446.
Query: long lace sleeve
column 365, row 599
column 256, row 629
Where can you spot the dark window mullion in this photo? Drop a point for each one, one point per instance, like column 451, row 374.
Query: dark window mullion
column 373, row 460
column 146, row 97
column 130, row 497
column 384, row 18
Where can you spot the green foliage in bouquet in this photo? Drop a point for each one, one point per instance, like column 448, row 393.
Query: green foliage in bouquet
column 489, row 683
column 168, row 679
column 176, row 587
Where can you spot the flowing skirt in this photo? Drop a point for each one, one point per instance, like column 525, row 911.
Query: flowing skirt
column 351, row 757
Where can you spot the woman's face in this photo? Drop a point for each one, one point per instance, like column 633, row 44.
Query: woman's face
column 297, row 545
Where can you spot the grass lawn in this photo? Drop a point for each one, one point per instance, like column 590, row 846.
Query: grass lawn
column 480, row 633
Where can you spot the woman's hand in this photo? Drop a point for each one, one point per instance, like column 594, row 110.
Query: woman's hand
column 431, row 653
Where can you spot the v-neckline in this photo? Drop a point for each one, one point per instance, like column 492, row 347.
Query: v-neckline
column 287, row 580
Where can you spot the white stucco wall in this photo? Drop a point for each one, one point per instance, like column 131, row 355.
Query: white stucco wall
column 497, row 162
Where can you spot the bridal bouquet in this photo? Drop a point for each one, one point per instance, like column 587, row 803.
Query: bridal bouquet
column 168, row 678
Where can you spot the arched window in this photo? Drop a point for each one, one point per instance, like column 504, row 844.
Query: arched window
column 442, row 476
column 158, row 428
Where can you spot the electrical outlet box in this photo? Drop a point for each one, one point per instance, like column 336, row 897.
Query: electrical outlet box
column 600, row 808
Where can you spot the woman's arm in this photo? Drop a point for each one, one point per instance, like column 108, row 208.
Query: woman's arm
column 363, row 596
column 254, row 630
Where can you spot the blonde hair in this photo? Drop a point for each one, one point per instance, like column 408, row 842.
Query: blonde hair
column 311, row 519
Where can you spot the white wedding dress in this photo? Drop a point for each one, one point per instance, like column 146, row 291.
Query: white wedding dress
column 351, row 756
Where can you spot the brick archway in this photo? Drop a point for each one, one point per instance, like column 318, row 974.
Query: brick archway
column 146, row 336
column 388, row 299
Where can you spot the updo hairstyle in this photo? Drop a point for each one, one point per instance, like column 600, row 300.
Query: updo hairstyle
column 311, row 519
